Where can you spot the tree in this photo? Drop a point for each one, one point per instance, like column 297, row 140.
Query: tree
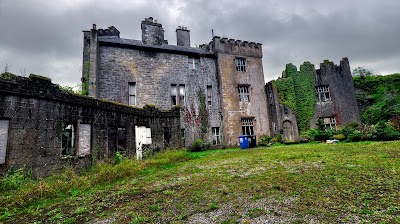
column 362, row 72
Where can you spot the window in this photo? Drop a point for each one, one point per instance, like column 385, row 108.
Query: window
column 209, row 95
column 4, row 124
column 244, row 93
column 193, row 63
column 132, row 93
column 183, row 136
column 216, row 136
column 330, row 123
column 322, row 93
column 178, row 94
column 121, row 139
column 247, row 126
column 240, row 64
column 68, row 140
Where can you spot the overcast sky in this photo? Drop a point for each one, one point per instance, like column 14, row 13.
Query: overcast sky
column 45, row 36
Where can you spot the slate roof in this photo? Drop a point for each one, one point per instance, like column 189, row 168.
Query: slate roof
column 137, row 44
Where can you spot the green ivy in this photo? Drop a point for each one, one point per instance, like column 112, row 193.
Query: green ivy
column 85, row 83
column 296, row 91
column 203, row 112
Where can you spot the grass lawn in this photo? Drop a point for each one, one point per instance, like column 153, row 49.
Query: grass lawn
column 308, row 183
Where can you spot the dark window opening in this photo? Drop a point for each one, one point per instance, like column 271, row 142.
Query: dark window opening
column 68, row 140
column 247, row 126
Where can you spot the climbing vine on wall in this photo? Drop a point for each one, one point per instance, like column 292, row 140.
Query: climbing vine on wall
column 203, row 112
column 296, row 91
column 85, row 81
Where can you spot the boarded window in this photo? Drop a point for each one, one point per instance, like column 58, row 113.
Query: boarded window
column 3, row 140
column 216, row 136
column 182, row 95
column 84, row 140
column 330, row 123
column 173, row 95
column 247, row 126
column 240, row 64
column 132, row 93
column 244, row 95
column 68, row 140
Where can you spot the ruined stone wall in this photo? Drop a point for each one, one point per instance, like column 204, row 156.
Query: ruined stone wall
column 154, row 72
column 343, row 104
column 234, row 110
column 36, row 110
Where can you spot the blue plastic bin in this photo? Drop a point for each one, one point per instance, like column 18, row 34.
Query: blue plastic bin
column 243, row 141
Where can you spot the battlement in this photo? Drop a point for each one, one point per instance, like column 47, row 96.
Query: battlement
column 236, row 47
column 329, row 68
column 111, row 31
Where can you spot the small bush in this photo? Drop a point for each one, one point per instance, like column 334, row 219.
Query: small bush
column 356, row 136
column 273, row 141
column 118, row 158
column 264, row 140
column 322, row 135
column 279, row 138
column 197, row 146
column 339, row 137
column 305, row 137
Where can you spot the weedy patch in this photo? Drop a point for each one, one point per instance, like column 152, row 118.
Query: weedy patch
column 310, row 183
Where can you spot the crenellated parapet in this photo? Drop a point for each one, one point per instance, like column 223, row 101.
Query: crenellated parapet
column 236, row 47
column 111, row 31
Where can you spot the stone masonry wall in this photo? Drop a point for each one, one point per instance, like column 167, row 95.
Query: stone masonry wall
column 36, row 110
column 153, row 73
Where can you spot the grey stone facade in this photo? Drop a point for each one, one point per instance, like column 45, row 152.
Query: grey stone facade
column 154, row 68
column 34, row 113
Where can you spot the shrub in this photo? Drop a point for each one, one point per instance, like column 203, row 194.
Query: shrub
column 305, row 137
column 339, row 137
column 322, row 135
column 197, row 146
column 117, row 158
column 356, row 136
column 273, row 141
column 264, row 140
column 279, row 138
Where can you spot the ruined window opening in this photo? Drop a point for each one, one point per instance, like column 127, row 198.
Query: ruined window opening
column 244, row 95
column 247, row 126
column 240, row 64
column 132, row 93
column 178, row 94
column 330, row 123
column 322, row 93
column 216, row 136
column 209, row 95
column 68, row 140
column 193, row 63
column 285, row 110
column 121, row 139
column 4, row 125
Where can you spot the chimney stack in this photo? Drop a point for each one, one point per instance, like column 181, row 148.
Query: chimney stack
column 183, row 36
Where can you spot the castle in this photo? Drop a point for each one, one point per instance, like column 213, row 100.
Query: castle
column 149, row 93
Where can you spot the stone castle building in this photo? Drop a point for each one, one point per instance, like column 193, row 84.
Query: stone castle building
column 219, row 87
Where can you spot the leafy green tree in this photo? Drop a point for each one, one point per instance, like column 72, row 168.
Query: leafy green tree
column 362, row 72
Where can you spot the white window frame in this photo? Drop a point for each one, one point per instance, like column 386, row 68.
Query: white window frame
column 322, row 93
column 244, row 93
column 247, row 126
column 240, row 64
column 193, row 63
column 132, row 93
column 216, row 133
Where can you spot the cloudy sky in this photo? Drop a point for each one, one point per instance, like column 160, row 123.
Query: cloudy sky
column 45, row 36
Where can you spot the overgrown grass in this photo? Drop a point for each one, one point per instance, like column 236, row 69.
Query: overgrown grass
column 353, row 183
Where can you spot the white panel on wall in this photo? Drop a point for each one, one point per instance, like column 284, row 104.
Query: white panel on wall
column 3, row 140
column 84, row 135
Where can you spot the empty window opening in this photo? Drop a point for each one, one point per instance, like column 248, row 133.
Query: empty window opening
column 244, row 95
column 183, row 136
column 177, row 94
column 247, row 126
column 240, row 64
column 330, row 123
column 167, row 136
column 209, row 95
column 193, row 63
column 4, row 124
column 322, row 93
column 216, row 136
column 68, row 140
column 132, row 93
